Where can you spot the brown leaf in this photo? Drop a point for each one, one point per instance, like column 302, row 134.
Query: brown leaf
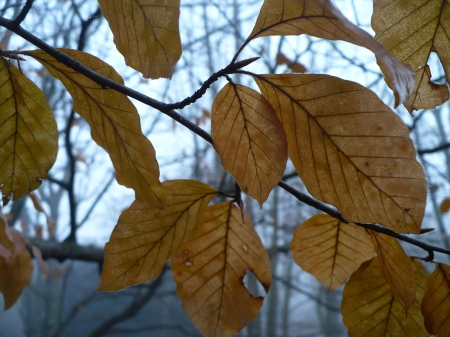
column 145, row 238
column 436, row 302
column 209, row 267
column 15, row 275
column 330, row 250
column 396, row 268
column 249, row 139
column 296, row 67
column 349, row 149
column 411, row 31
column 320, row 18
column 370, row 309
column 114, row 121
column 146, row 33
column 445, row 205
column 28, row 134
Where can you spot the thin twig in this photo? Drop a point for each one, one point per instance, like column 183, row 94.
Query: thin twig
column 23, row 13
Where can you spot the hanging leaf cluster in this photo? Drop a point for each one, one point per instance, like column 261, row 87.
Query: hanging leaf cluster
column 350, row 150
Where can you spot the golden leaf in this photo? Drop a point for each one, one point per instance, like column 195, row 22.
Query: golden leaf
column 17, row 268
column 249, row 139
column 320, row 18
column 146, row 33
column 114, row 121
column 445, row 205
column 145, row 238
column 436, row 302
column 209, row 267
column 396, row 268
column 411, row 31
column 370, row 309
column 330, row 250
column 28, row 134
column 349, row 149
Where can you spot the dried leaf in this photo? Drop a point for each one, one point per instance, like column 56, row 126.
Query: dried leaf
column 42, row 264
column 396, row 268
column 320, row 18
column 349, row 149
column 15, row 275
column 146, row 33
column 15, row 270
column 209, row 267
column 445, row 205
column 370, row 309
column 145, row 238
column 249, row 139
column 411, row 31
column 36, row 202
column 114, row 121
column 330, row 250
column 28, row 134
column 296, row 67
column 436, row 302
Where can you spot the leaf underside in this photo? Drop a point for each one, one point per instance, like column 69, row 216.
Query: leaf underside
column 28, row 134
column 349, row 149
column 114, row 121
column 209, row 267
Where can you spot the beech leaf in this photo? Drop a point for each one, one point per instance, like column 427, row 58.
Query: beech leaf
column 17, row 268
column 320, row 18
column 445, row 205
column 436, row 302
column 249, row 139
column 411, row 31
column 114, row 121
column 396, row 268
column 146, row 33
column 145, row 238
column 28, row 134
column 209, row 268
column 349, row 149
column 370, row 309
column 330, row 249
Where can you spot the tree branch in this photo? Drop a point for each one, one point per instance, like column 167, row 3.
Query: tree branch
column 23, row 13
column 435, row 149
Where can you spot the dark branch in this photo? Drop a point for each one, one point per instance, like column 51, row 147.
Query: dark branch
column 23, row 13
column 435, row 149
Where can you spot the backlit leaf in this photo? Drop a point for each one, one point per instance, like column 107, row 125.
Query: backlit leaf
column 249, row 139
column 320, row 18
column 411, row 31
column 209, row 267
column 114, row 121
column 396, row 267
column 330, row 250
column 15, row 270
column 349, row 149
column 145, row 238
column 146, row 33
column 28, row 134
column 370, row 309
column 436, row 302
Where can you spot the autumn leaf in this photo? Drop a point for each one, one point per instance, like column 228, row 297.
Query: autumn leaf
column 114, row 121
column 209, row 267
column 396, row 267
column 28, row 134
column 296, row 67
column 145, row 238
column 330, row 249
column 146, row 33
column 249, row 139
column 370, row 309
column 445, row 205
column 320, row 18
column 15, row 269
column 411, row 31
column 349, row 149
column 436, row 302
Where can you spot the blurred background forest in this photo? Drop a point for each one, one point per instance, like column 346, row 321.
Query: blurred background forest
column 84, row 201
